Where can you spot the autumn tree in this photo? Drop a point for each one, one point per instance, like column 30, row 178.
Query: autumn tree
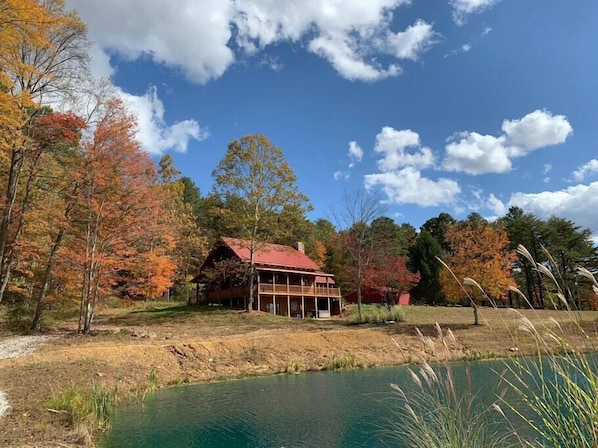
column 354, row 216
column 114, row 207
column 479, row 251
column 43, row 56
column 257, row 187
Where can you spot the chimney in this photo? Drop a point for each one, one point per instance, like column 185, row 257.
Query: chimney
column 299, row 246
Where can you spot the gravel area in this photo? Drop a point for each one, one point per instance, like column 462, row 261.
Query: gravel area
column 19, row 346
column 14, row 348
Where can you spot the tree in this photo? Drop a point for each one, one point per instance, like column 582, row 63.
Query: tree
column 524, row 229
column 388, row 274
column 479, row 251
column 43, row 59
column 354, row 216
column 423, row 258
column 438, row 227
column 257, row 186
column 113, row 210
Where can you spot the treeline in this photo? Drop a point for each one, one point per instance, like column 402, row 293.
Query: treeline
column 86, row 214
column 84, row 211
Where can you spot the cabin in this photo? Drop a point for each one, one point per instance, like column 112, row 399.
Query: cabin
column 374, row 296
column 287, row 282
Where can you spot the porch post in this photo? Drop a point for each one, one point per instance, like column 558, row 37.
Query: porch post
column 316, row 304
column 329, row 308
column 302, row 307
column 288, row 305
column 274, row 303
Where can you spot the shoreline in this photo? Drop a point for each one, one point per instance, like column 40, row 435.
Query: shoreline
column 133, row 360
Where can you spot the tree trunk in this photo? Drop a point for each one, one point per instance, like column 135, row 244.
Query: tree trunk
column 359, row 293
column 251, row 282
column 36, row 323
column 16, row 164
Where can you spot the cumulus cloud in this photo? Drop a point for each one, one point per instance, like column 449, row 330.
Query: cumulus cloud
column 536, row 130
column 401, row 160
column 475, row 153
column 154, row 134
column 394, row 147
column 407, row 186
column 203, row 38
column 497, row 206
column 464, row 8
column 579, row 203
column 590, row 167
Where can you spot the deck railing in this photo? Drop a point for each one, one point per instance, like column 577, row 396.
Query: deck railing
column 283, row 290
column 296, row 290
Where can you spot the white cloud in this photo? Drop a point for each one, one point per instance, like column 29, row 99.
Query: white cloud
column 154, row 134
column 464, row 8
column 355, row 151
column 341, row 175
column 100, row 66
column 475, row 154
column 577, row 203
column 407, row 186
column 203, row 38
column 590, row 167
column 412, row 42
column 496, row 205
column 536, row 130
column 394, row 145
column 190, row 35
column 546, row 172
column 341, row 52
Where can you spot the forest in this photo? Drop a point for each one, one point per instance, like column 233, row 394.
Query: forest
column 85, row 214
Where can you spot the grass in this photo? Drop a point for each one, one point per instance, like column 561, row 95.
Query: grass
column 377, row 314
column 90, row 407
column 345, row 361
column 556, row 390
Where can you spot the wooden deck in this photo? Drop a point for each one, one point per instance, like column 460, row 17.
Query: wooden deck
column 278, row 290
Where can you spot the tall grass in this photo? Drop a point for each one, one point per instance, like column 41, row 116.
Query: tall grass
column 556, row 391
column 91, row 407
column 437, row 413
column 377, row 314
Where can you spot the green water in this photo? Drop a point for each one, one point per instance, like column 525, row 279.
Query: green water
column 323, row 409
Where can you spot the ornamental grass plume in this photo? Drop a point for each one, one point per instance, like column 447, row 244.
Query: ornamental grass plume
column 551, row 398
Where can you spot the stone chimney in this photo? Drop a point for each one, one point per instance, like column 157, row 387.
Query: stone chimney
column 299, row 246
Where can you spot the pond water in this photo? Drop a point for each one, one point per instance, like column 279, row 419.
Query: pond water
column 322, row 409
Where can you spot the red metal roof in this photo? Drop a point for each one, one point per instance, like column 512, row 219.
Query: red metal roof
column 271, row 254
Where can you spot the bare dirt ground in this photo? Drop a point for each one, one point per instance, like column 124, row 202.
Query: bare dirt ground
column 189, row 345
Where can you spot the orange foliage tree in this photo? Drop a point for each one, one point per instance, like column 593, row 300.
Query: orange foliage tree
column 480, row 251
column 43, row 52
column 114, row 207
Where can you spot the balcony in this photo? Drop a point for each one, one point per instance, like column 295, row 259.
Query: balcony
column 296, row 290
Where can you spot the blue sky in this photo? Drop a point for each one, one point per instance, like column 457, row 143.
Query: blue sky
column 446, row 106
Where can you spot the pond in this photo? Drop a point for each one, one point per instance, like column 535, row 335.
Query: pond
column 327, row 409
